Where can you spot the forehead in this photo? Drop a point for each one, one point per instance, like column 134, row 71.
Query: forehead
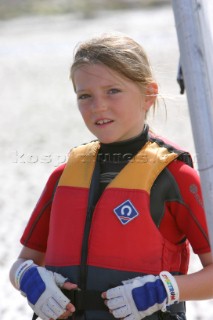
column 97, row 74
column 95, row 71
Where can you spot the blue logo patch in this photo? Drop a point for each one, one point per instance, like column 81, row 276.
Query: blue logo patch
column 126, row 212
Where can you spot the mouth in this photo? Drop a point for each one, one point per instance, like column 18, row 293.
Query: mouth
column 103, row 122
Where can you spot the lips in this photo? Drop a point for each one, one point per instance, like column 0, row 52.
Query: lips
column 103, row 121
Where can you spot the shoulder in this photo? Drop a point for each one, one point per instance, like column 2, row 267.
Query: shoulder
column 182, row 179
column 183, row 172
column 55, row 176
column 177, row 182
column 57, row 172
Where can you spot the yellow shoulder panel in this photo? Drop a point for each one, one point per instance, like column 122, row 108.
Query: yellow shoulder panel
column 143, row 169
column 139, row 173
column 79, row 169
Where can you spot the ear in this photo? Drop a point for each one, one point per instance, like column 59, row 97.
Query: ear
column 151, row 93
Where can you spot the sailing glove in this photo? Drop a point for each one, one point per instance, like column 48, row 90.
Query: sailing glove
column 142, row 296
column 41, row 288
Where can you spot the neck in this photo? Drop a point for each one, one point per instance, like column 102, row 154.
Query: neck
column 129, row 147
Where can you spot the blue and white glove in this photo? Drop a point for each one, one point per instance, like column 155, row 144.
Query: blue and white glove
column 142, row 296
column 41, row 287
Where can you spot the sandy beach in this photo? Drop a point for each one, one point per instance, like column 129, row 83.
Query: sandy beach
column 40, row 122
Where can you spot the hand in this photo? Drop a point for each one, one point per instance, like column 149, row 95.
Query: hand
column 41, row 287
column 142, row 296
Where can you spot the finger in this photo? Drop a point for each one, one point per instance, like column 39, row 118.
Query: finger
column 130, row 317
column 69, row 286
column 115, row 303
column 48, row 313
column 61, row 300
column 54, row 307
column 121, row 312
column 70, row 307
column 114, row 292
column 65, row 315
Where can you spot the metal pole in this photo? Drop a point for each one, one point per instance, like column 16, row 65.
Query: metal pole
column 197, row 64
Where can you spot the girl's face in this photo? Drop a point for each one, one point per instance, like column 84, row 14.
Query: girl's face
column 113, row 107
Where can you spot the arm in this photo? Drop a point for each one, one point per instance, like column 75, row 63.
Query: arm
column 28, row 274
column 203, row 279
column 26, row 254
column 37, row 256
column 190, row 218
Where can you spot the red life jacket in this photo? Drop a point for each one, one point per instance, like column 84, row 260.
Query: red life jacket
column 122, row 235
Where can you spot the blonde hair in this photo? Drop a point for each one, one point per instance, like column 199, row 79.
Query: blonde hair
column 118, row 52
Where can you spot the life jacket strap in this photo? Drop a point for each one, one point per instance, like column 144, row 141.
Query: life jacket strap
column 86, row 299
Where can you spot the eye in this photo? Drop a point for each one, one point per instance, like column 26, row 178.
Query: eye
column 83, row 96
column 114, row 91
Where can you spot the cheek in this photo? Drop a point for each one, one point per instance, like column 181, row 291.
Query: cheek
column 84, row 112
column 81, row 108
column 143, row 108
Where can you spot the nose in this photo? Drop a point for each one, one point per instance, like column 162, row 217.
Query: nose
column 99, row 104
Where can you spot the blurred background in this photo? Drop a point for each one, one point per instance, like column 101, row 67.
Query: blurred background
column 84, row 8
column 39, row 119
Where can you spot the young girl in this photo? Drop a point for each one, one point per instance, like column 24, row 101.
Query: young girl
column 109, row 236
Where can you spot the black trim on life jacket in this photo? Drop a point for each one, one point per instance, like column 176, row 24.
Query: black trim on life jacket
column 93, row 197
column 183, row 156
column 164, row 189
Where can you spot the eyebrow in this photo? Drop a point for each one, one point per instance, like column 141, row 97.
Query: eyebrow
column 104, row 87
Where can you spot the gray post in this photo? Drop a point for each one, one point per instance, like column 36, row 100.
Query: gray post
column 196, row 56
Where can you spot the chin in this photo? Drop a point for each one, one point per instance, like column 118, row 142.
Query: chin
column 107, row 140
